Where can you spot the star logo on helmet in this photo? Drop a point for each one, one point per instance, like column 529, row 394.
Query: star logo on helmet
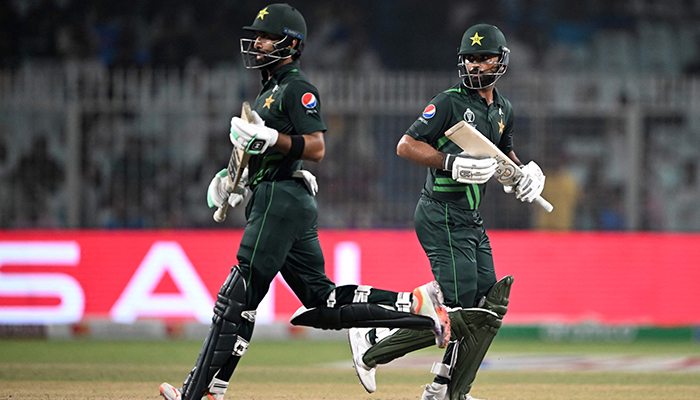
column 264, row 12
column 476, row 39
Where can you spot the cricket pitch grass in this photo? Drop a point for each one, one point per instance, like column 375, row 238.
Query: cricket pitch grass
column 310, row 370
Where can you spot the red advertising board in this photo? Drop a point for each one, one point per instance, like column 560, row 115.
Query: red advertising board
column 611, row 278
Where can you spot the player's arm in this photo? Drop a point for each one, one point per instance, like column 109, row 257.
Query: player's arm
column 255, row 138
column 464, row 169
column 419, row 152
column 312, row 146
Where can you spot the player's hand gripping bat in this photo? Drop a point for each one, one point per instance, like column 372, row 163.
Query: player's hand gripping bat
column 236, row 165
column 476, row 145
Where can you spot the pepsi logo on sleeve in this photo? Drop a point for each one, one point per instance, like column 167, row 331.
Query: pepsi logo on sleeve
column 308, row 100
column 429, row 111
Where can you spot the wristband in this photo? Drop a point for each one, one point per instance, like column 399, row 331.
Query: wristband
column 448, row 161
column 297, row 148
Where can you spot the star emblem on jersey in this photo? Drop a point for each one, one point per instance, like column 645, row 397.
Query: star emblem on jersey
column 476, row 39
column 501, row 126
column 263, row 13
column 268, row 101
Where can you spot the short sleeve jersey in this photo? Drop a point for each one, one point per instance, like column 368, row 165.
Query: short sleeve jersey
column 495, row 121
column 290, row 104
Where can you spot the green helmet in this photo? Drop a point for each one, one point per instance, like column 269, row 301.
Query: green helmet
column 278, row 19
column 482, row 39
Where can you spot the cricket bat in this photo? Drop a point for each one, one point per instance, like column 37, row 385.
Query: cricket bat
column 477, row 145
column 236, row 165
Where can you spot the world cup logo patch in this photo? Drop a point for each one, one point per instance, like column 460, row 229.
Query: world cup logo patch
column 308, row 100
column 429, row 111
column 469, row 116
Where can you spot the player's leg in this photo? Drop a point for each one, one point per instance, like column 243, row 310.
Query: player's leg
column 472, row 256
column 485, row 271
column 433, row 233
column 326, row 306
column 450, row 239
column 222, row 340
column 453, row 241
column 472, row 333
column 473, row 329
column 266, row 240
column 270, row 234
column 329, row 307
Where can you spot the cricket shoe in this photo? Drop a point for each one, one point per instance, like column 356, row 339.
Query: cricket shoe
column 438, row 391
column 169, row 392
column 359, row 346
column 428, row 301
column 435, row 391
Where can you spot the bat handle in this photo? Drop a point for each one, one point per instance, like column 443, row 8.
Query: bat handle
column 547, row 206
column 220, row 214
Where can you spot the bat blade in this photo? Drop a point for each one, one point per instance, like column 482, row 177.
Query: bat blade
column 236, row 165
column 477, row 145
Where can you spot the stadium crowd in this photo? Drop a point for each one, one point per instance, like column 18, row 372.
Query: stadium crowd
column 639, row 36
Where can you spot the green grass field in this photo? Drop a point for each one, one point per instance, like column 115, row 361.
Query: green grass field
column 298, row 369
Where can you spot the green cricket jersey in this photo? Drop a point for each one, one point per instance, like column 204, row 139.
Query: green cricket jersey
column 495, row 121
column 290, row 104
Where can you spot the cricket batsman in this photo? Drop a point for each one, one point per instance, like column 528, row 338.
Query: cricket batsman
column 281, row 234
column 448, row 224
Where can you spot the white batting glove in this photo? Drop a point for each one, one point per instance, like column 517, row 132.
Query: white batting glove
column 252, row 137
column 217, row 194
column 309, row 180
column 469, row 170
column 531, row 184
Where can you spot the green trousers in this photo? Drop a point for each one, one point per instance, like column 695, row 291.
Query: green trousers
column 459, row 251
column 281, row 235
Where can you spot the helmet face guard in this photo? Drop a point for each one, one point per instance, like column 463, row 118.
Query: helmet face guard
column 254, row 58
column 480, row 79
column 280, row 20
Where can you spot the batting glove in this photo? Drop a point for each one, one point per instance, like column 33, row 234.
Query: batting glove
column 309, row 180
column 531, row 184
column 217, row 194
column 252, row 137
column 469, row 170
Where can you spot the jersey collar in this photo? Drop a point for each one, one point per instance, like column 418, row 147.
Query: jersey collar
column 277, row 75
column 474, row 94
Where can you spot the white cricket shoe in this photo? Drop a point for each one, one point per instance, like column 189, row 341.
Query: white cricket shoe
column 428, row 301
column 435, row 391
column 438, row 391
column 169, row 392
column 359, row 346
